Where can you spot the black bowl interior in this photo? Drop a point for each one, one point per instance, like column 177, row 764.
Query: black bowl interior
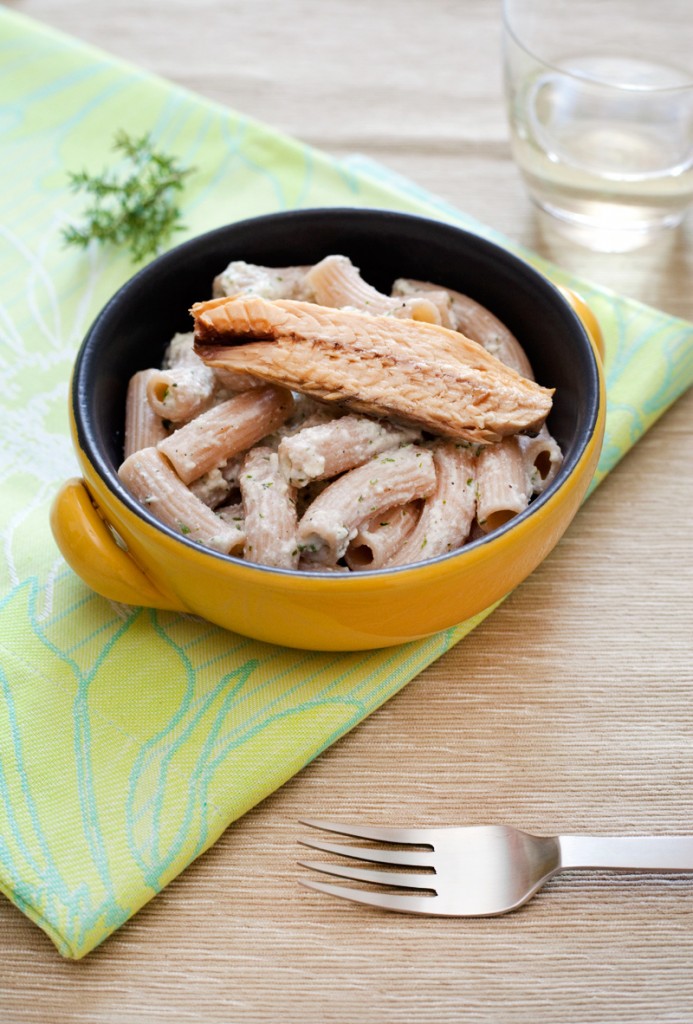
column 133, row 330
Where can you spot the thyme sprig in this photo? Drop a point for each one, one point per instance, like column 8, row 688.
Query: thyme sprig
column 135, row 203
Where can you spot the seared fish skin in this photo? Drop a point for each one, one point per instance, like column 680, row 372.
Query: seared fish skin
column 418, row 373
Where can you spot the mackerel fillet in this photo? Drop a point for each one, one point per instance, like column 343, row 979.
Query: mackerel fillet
column 411, row 372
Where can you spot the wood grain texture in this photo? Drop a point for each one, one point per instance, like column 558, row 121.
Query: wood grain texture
column 570, row 708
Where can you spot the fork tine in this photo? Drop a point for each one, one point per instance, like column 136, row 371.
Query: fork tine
column 406, row 879
column 412, row 858
column 386, row 901
column 418, row 836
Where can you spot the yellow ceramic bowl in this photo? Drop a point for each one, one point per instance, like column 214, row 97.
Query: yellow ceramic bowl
column 127, row 555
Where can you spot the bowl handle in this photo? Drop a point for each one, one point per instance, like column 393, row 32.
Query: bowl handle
column 589, row 320
column 90, row 548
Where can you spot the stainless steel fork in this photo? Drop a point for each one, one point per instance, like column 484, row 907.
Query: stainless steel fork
column 480, row 870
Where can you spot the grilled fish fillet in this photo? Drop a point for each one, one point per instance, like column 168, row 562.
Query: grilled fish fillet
column 417, row 373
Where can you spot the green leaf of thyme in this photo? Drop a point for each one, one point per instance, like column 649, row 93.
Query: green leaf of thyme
column 133, row 204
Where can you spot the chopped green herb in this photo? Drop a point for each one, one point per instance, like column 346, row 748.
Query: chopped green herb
column 183, row 528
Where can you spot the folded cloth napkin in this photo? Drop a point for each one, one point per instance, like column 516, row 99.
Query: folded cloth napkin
column 131, row 738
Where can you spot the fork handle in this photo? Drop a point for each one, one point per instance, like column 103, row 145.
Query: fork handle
column 627, row 853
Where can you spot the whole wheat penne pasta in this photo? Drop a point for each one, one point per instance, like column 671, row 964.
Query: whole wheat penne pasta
column 418, row 373
column 475, row 322
column 225, row 430
column 420, row 304
column 381, row 536
column 150, row 478
column 337, row 282
column 269, row 511
column 544, row 458
column 324, row 450
column 393, row 478
column 181, row 393
column 503, row 488
column 448, row 513
column 143, row 428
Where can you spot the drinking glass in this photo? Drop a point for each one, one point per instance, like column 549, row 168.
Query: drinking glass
column 600, row 105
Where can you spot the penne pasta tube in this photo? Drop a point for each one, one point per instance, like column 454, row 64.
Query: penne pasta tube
column 324, row 450
column 448, row 513
column 381, row 536
column 225, row 430
column 544, row 458
column 143, row 428
column 269, row 511
column 150, row 478
column 181, row 393
column 434, row 307
column 337, row 282
column 475, row 322
column 503, row 488
column 394, row 478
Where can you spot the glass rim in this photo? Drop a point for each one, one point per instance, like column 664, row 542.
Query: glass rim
column 582, row 77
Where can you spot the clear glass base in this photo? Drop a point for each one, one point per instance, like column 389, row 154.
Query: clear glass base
column 603, row 235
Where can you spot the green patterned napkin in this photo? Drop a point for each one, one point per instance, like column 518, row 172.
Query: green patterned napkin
column 130, row 738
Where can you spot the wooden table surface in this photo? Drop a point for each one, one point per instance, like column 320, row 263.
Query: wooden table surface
column 569, row 709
